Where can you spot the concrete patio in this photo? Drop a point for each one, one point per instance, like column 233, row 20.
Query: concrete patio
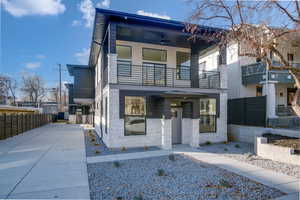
column 46, row 162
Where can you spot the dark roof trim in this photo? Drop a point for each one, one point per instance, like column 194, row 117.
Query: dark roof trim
column 71, row 68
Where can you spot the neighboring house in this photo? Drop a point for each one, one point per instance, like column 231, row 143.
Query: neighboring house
column 81, row 94
column 151, row 85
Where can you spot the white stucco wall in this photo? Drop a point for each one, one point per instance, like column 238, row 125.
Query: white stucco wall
column 210, row 58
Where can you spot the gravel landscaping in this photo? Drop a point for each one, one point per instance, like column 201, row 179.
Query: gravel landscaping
column 176, row 178
column 245, row 152
column 95, row 147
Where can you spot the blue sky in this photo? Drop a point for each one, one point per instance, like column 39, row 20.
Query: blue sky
column 36, row 35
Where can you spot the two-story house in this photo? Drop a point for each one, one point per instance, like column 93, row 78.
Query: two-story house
column 150, row 85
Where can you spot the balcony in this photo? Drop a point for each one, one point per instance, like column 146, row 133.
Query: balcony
column 83, row 95
column 163, row 76
column 256, row 73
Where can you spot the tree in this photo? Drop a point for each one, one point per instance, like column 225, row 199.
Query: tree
column 33, row 88
column 8, row 88
column 263, row 27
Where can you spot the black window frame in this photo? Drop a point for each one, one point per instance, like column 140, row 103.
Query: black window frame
column 106, row 115
column 204, row 116
column 179, row 68
column 163, row 50
column 125, row 60
column 132, row 115
column 155, row 66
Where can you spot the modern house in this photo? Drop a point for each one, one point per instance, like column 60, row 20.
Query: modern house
column 151, row 85
column 81, row 94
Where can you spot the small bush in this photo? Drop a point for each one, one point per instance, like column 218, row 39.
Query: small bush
column 225, row 142
column 237, row 146
column 160, row 172
column 123, row 149
column 118, row 198
column 225, row 183
column 90, row 131
column 172, row 157
column 116, row 164
column 146, row 148
column 225, row 149
column 207, row 143
column 140, row 197
column 93, row 140
column 97, row 152
column 96, row 144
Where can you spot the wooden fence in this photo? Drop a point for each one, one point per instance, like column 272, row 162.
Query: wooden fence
column 14, row 124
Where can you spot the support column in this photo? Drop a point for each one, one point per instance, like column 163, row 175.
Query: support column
column 195, row 133
column 269, row 90
column 166, row 133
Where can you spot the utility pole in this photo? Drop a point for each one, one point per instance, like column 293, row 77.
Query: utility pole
column 60, row 106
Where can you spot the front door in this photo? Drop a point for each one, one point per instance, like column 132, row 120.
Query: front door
column 176, row 125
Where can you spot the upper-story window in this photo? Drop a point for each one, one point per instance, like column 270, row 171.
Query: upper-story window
column 155, row 55
column 124, row 55
column 183, row 62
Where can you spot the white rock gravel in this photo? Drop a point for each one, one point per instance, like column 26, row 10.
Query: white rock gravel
column 185, row 179
column 245, row 153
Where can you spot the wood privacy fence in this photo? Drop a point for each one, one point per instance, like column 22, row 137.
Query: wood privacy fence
column 14, row 124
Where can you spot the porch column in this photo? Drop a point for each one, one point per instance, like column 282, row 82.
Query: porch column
column 166, row 133
column 270, row 91
column 195, row 133
column 194, row 66
column 166, row 126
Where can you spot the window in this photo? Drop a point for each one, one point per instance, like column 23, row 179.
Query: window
column 202, row 66
column 154, row 55
column 124, row 60
column 290, row 57
column 135, row 116
column 183, row 62
column 154, row 74
column 208, row 119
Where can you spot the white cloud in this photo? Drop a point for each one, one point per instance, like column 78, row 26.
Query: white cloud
column 76, row 23
column 87, row 9
column 142, row 12
column 19, row 8
column 40, row 56
column 32, row 65
column 83, row 56
column 103, row 4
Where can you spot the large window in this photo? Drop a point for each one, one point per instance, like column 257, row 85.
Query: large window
column 183, row 62
column 156, row 55
column 135, row 115
column 208, row 119
column 124, row 60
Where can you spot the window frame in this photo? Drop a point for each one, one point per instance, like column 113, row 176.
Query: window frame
column 215, row 116
column 132, row 115
column 125, row 60
column 162, row 50
column 178, row 68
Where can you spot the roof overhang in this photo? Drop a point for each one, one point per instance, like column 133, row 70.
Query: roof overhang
column 103, row 17
column 71, row 68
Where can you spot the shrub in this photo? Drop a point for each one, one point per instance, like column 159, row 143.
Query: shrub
column 237, row 146
column 93, row 140
column 118, row 198
column 160, row 172
column 116, row 164
column 172, row 157
column 97, row 152
column 207, row 143
column 225, row 142
column 225, row 183
column 96, row 144
column 123, row 149
column 225, row 149
column 146, row 148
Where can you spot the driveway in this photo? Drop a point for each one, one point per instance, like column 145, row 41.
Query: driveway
column 46, row 162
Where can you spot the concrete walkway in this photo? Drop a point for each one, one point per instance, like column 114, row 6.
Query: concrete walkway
column 287, row 184
column 46, row 162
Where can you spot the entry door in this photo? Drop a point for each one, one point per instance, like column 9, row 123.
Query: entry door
column 176, row 125
column 290, row 95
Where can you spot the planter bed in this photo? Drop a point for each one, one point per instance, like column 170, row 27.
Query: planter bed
column 284, row 141
column 182, row 179
column 95, row 146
